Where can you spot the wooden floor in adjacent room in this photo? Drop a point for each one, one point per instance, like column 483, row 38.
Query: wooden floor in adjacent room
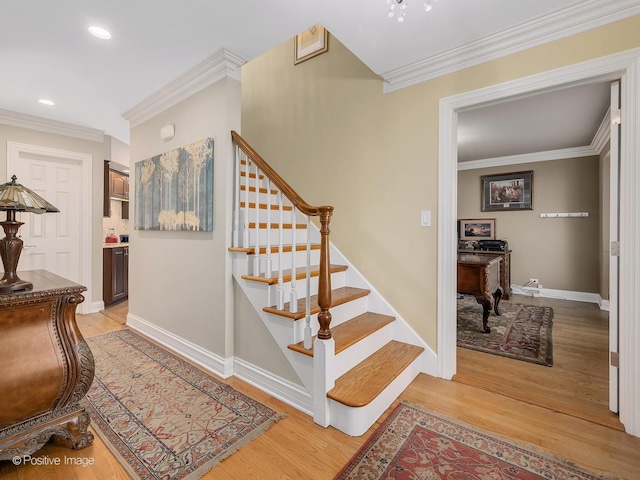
column 506, row 399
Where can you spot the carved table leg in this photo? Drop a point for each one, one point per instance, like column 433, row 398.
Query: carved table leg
column 497, row 296
column 486, row 303
column 75, row 433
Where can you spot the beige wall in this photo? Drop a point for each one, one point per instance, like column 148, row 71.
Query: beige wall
column 563, row 253
column 181, row 281
column 61, row 142
column 328, row 129
column 177, row 280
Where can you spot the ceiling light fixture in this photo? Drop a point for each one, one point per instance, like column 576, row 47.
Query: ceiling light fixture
column 44, row 101
column 99, row 32
column 398, row 8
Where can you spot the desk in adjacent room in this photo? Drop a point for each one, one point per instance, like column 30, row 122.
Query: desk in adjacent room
column 479, row 275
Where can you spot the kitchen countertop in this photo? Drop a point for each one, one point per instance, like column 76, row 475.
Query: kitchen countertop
column 115, row 245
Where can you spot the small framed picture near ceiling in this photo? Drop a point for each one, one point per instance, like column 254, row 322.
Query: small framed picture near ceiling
column 507, row 191
column 174, row 190
column 310, row 43
column 477, row 229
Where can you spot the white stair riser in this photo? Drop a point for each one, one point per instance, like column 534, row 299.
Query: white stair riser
column 337, row 281
column 339, row 315
column 356, row 421
column 352, row 356
column 274, row 234
column 287, row 261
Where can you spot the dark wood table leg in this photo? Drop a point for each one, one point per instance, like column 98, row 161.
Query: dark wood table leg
column 486, row 303
column 497, row 296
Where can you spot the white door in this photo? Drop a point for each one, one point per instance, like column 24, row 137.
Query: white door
column 614, row 237
column 51, row 240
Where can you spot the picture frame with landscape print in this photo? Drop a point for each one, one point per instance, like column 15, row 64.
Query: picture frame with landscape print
column 477, row 229
column 507, row 191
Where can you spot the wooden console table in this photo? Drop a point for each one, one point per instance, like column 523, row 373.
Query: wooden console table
column 479, row 275
column 505, row 267
column 46, row 365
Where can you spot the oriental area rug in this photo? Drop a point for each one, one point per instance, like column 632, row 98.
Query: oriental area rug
column 522, row 332
column 162, row 417
column 414, row 443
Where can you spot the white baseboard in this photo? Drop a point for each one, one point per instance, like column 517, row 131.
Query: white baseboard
column 284, row 390
column 560, row 294
column 93, row 307
column 277, row 387
column 216, row 364
column 604, row 304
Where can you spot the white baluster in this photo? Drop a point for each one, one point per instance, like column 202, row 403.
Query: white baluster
column 280, row 293
column 245, row 217
column 293, row 297
column 307, row 327
column 235, row 241
column 268, row 267
column 256, row 251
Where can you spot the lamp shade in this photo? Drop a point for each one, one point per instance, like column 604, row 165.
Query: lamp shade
column 14, row 196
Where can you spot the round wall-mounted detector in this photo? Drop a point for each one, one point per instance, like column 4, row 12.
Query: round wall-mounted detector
column 99, row 32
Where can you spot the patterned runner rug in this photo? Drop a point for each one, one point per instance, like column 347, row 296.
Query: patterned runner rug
column 416, row 444
column 162, row 417
column 522, row 332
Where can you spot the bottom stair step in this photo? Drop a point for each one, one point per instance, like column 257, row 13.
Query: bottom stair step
column 364, row 382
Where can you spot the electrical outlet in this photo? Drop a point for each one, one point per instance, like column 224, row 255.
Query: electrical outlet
column 533, row 280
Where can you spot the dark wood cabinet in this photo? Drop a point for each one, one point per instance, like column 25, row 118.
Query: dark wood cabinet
column 119, row 185
column 115, row 282
column 116, row 186
column 47, row 367
column 505, row 267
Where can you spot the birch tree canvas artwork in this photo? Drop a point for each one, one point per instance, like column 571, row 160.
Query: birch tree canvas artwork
column 174, row 190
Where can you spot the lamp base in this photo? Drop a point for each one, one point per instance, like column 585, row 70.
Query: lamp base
column 10, row 248
column 14, row 285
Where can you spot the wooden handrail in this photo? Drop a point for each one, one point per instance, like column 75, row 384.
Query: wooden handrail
column 279, row 182
column 324, row 212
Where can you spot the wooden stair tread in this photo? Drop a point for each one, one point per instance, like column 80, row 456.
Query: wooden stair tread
column 263, row 206
column 338, row 297
column 300, row 273
column 276, row 226
column 274, row 249
column 364, row 382
column 350, row 332
column 260, row 190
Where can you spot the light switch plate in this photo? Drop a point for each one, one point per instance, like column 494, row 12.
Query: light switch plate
column 425, row 218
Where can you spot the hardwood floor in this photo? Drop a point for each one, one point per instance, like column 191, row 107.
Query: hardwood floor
column 296, row 448
column 578, row 382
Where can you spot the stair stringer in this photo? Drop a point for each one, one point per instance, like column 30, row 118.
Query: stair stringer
column 280, row 328
column 402, row 331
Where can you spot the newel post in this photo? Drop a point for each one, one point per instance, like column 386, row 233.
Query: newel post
column 324, row 281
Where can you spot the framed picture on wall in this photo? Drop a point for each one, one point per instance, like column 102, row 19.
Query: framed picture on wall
column 477, row 229
column 310, row 43
column 507, row 191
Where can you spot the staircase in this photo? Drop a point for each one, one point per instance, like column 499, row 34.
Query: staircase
column 352, row 352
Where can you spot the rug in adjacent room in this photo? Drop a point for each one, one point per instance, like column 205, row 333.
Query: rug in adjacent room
column 414, row 443
column 522, row 332
column 161, row 416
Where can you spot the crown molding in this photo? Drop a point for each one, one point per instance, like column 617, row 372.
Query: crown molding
column 556, row 25
column 215, row 67
column 603, row 134
column 563, row 153
column 32, row 122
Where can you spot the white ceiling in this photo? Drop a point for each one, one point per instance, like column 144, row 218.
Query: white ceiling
column 561, row 119
column 45, row 50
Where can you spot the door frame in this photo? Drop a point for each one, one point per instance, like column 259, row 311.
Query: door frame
column 623, row 65
column 85, row 161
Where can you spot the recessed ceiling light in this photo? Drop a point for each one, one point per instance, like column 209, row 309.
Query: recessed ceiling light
column 99, row 32
column 44, row 101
